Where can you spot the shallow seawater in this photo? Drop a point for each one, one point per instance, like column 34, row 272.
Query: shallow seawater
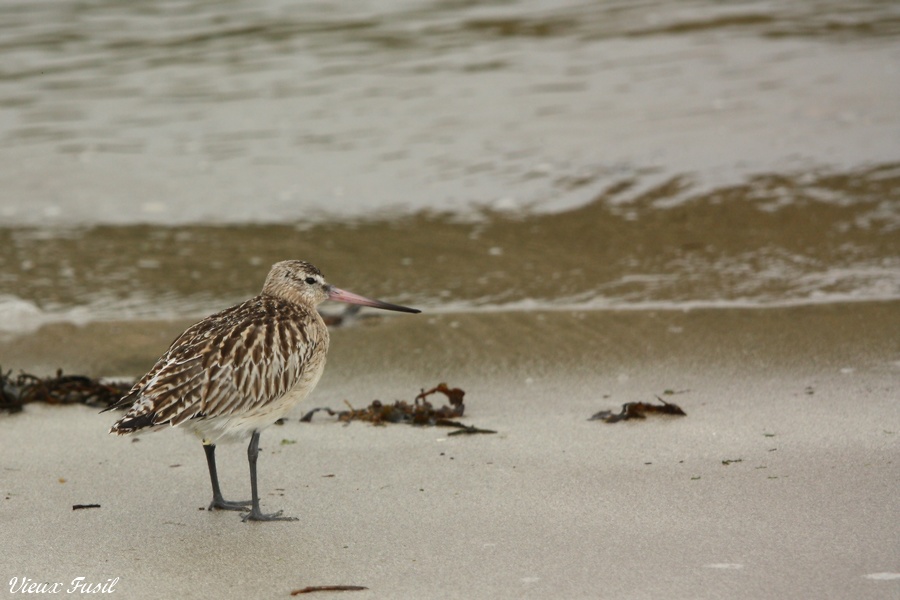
column 461, row 157
column 836, row 240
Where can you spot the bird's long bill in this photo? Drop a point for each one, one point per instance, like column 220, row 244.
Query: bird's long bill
column 340, row 295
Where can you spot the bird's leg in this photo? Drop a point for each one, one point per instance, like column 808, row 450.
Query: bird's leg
column 218, row 502
column 255, row 514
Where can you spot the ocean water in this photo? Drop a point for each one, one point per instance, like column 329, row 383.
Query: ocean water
column 157, row 157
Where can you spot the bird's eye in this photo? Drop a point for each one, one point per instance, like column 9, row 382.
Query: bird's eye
column 310, row 280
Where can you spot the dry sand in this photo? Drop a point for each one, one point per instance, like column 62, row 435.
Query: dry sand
column 801, row 403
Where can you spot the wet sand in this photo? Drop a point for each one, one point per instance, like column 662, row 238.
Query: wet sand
column 801, row 403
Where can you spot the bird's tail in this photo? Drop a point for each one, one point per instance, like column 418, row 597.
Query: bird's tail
column 137, row 417
column 131, row 423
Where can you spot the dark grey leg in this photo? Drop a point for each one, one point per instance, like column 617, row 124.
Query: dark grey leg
column 218, row 502
column 255, row 514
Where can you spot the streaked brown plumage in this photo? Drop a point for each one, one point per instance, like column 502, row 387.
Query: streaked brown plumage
column 241, row 369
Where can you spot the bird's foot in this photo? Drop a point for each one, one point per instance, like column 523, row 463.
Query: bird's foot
column 222, row 504
column 256, row 515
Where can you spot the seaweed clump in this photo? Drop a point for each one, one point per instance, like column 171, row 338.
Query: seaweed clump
column 638, row 410
column 16, row 392
column 418, row 412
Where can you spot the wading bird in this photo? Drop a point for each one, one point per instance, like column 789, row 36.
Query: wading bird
column 241, row 369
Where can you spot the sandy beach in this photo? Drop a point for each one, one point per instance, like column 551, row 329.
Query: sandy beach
column 593, row 204
column 780, row 481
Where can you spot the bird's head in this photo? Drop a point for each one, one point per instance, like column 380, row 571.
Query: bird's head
column 302, row 283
